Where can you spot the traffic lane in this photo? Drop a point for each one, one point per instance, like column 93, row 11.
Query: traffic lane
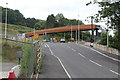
column 107, row 62
column 77, row 66
column 63, row 47
column 51, row 67
column 88, row 53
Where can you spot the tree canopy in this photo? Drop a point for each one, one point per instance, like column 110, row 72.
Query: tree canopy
column 112, row 12
column 17, row 18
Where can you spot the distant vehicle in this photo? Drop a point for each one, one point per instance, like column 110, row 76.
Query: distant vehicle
column 46, row 40
column 62, row 40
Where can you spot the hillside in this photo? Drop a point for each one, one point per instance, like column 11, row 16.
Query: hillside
column 15, row 29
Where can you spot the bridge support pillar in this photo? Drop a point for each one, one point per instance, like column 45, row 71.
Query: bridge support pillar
column 92, row 38
column 97, row 34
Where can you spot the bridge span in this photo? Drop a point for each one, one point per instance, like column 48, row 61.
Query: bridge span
column 65, row 29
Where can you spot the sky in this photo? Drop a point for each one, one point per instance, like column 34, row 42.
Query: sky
column 40, row 9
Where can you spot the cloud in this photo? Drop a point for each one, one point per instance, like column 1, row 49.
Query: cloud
column 40, row 9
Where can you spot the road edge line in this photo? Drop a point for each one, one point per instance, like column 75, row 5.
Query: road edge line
column 102, row 53
column 64, row 67
column 115, row 72
column 60, row 63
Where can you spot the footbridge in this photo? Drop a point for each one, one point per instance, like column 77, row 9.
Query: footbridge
column 65, row 29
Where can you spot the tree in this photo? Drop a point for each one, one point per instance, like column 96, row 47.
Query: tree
column 51, row 21
column 103, row 39
column 17, row 18
column 14, row 16
column 30, row 22
column 111, row 11
column 62, row 21
column 40, row 25
column 59, row 16
column 75, row 22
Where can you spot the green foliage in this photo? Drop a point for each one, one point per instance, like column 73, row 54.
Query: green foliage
column 59, row 20
column 17, row 18
column 9, row 50
column 112, row 40
column 10, row 43
column 62, row 21
column 111, row 11
column 40, row 39
column 14, row 16
column 40, row 25
column 103, row 39
column 40, row 63
column 15, row 29
column 50, row 22
column 27, row 49
column 30, row 22
column 83, row 35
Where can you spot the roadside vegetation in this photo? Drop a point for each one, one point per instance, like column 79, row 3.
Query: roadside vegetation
column 112, row 39
column 9, row 50
column 110, row 11
column 84, row 36
column 25, row 61
column 15, row 29
column 17, row 18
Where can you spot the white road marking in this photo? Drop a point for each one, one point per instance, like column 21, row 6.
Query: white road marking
column 73, row 49
column 81, row 55
column 102, row 53
column 105, row 55
column 45, row 45
column 37, row 76
column 95, row 63
column 17, row 66
column 64, row 67
column 68, row 46
column 60, row 63
column 115, row 72
column 50, row 49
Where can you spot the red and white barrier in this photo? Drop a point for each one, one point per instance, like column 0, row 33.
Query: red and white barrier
column 11, row 75
column 14, row 73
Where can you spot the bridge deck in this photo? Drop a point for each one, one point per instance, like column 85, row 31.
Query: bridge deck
column 63, row 29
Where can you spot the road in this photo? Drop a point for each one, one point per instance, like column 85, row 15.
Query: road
column 5, row 68
column 79, row 61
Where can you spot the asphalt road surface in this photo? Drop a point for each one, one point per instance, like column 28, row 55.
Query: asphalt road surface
column 79, row 61
column 5, row 68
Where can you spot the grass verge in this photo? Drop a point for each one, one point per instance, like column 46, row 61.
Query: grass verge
column 9, row 50
column 27, row 49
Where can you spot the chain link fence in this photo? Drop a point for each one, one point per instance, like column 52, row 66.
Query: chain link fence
column 30, row 58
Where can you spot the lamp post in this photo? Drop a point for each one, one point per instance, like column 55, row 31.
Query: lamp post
column 71, row 32
column 92, row 39
column 6, row 22
column 78, row 30
column 64, row 35
column 107, row 32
